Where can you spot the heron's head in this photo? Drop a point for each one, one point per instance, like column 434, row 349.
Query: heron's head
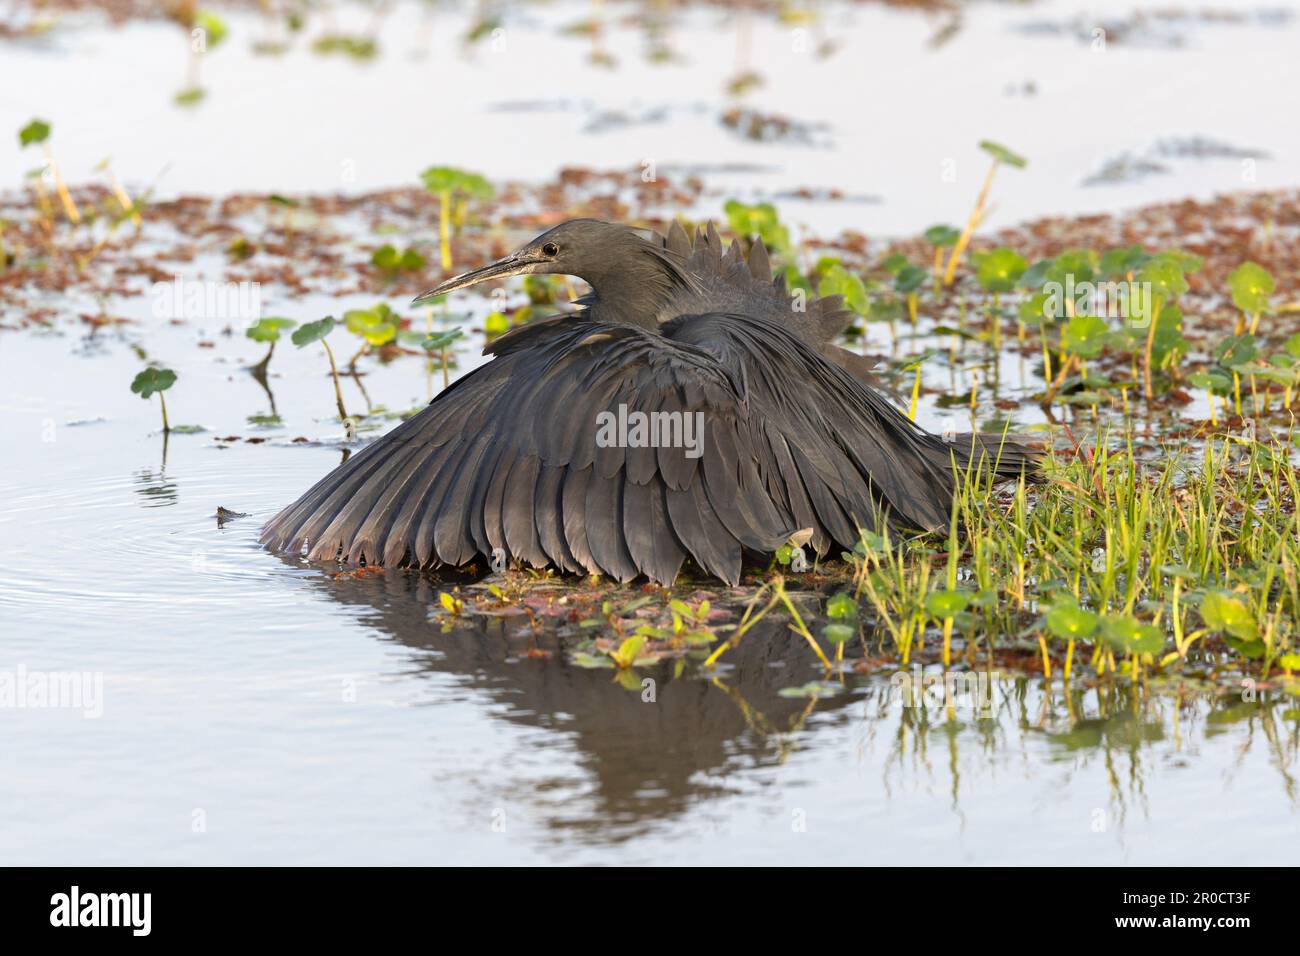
column 586, row 248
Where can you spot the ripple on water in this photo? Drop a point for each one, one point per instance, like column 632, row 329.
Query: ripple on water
column 96, row 536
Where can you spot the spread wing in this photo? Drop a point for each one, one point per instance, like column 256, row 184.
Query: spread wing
column 511, row 457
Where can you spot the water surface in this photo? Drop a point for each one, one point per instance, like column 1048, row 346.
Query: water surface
column 259, row 710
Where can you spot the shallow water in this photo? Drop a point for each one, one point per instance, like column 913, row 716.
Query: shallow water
column 900, row 117
column 258, row 710
column 291, row 716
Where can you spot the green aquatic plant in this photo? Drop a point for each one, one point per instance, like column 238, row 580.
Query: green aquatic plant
column 317, row 331
column 496, row 323
column 997, row 272
column 1165, row 276
column 628, row 652
column 1234, row 356
column 1083, row 338
column 1251, row 286
column 540, row 289
column 439, row 343
column 267, row 331
column 115, row 217
column 205, row 31
column 376, row 327
column 482, row 27
column 1071, row 623
column 941, row 237
column 37, row 132
column 1224, row 612
column 797, row 625
column 155, row 379
column 1001, row 157
column 914, row 364
column 1132, row 637
column 837, row 280
column 1123, row 262
column 129, row 208
column 288, row 205
column 759, row 219
column 842, row 612
column 944, row 606
column 356, row 46
column 908, row 280
column 213, row 27
column 388, row 260
column 454, row 188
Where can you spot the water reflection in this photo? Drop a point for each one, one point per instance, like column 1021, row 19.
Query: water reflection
column 704, row 737
column 647, row 759
column 157, row 490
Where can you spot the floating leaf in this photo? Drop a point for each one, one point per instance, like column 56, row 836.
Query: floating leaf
column 811, row 689
column 592, row 661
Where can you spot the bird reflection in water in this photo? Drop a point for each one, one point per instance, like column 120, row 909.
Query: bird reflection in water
column 705, row 735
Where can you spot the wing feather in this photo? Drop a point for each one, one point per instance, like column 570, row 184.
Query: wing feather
column 508, row 457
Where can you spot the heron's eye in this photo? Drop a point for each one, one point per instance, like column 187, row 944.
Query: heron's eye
column 550, row 249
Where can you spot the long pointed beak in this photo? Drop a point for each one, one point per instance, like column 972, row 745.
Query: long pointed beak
column 501, row 269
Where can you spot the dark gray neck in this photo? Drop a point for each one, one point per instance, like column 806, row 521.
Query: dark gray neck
column 636, row 287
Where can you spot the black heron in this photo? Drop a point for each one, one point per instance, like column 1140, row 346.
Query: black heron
column 509, row 461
